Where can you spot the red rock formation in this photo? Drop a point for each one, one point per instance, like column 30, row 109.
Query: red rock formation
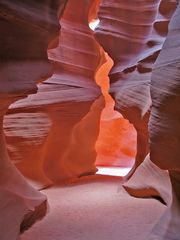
column 26, row 29
column 61, row 105
column 116, row 144
column 138, row 47
column 77, row 59
column 69, row 104
column 34, row 145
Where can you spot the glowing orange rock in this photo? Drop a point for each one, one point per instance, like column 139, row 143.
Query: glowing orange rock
column 61, row 105
column 116, row 142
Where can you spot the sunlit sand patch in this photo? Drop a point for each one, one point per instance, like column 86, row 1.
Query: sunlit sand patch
column 113, row 171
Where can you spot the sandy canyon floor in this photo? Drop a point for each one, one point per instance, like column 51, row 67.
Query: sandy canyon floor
column 95, row 208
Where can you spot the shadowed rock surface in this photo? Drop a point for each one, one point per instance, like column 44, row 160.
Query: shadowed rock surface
column 26, row 29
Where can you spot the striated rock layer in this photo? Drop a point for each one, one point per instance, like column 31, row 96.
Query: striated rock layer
column 42, row 149
column 164, row 124
column 67, row 106
column 164, row 138
column 139, row 37
column 165, row 91
column 77, row 60
column 52, row 134
column 27, row 28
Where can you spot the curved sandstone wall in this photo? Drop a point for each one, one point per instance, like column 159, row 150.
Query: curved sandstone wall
column 67, row 106
column 27, row 29
column 133, row 35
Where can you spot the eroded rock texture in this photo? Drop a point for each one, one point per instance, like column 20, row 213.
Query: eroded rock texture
column 67, row 106
column 51, row 135
column 133, row 35
column 27, row 29
column 164, row 123
column 165, row 91
column 164, row 136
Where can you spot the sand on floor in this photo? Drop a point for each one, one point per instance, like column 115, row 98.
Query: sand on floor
column 95, row 208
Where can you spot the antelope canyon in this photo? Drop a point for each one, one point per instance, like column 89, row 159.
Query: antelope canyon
column 88, row 86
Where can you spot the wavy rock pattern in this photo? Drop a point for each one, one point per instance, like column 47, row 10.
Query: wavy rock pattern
column 164, row 136
column 141, row 38
column 64, row 106
column 54, row 137
column 27, row 29
column 164, row 124
column 165, row 91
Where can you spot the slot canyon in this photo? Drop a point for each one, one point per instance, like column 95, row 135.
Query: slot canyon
column 88, row 86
